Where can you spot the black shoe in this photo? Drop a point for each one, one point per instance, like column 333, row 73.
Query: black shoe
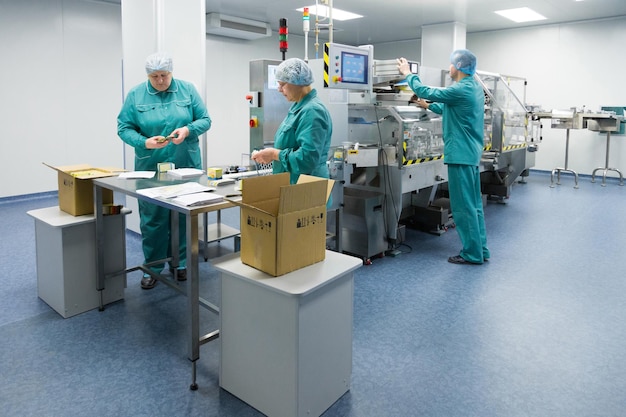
column 147, row 282
column 179, row 274
column 461, row 261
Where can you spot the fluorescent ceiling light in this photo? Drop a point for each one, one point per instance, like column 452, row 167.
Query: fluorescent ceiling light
column 523, row 14
column 322, row 11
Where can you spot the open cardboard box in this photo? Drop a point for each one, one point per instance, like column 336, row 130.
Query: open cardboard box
column 76, row 188
column 283, row 226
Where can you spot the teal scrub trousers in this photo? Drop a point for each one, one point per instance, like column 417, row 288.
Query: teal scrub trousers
column 467, row 210
column 155, row 234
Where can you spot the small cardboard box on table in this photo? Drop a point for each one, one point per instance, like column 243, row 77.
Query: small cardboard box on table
column 283, row 225
column 76, row 188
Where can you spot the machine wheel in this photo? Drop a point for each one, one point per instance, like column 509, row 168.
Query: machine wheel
column 367, row 261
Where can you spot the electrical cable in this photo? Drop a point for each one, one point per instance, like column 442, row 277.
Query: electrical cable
column 404, row 244
column 387, row 186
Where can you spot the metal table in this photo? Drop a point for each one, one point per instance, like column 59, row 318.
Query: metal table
column 573, row 119
column 130, row 187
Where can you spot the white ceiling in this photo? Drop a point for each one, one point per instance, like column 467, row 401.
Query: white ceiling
column 393, row 20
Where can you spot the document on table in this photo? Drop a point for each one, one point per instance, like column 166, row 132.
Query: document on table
column 176, row 190
column 136, row 174
column 198, row 199
column 185, row 172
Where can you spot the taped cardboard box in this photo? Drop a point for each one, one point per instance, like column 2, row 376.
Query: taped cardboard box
column 283, row 226
column 76, row 188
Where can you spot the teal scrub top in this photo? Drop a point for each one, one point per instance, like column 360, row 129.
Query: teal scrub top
column 147, row 112
column 462, row 106
column 303, row 139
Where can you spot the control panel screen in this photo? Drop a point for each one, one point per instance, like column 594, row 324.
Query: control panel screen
column 354, row 68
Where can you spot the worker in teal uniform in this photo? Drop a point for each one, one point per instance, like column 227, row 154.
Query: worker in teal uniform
column 462, row 108
column 162, row 119
column 302, row 140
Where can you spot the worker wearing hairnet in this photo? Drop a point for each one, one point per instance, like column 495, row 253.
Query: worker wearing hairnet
column 462, row 108
column 302, row 140
column 162, row 119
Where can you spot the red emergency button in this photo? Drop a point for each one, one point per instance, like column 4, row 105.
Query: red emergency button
column 254, row 122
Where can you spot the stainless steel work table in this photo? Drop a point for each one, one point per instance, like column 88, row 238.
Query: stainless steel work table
column 218, row 231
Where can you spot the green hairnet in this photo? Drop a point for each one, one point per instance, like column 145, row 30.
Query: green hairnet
column 159, row 61
column 464, row 61
column 294, row 71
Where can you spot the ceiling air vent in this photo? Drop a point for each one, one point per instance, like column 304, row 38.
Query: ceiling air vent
column 236, row 27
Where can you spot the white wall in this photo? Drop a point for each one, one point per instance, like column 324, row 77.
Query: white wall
column 410, row 49
column 228, row 82
column 61, row 75
column 61, row 89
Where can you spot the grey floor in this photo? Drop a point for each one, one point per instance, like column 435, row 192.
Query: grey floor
column 540, row 330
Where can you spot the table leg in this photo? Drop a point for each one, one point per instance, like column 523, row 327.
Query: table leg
column 606, row 168
column 97, row 201
column 557, row 171
column 174, row 239
column 338, row 228
column 193, row 296
column 205, row 227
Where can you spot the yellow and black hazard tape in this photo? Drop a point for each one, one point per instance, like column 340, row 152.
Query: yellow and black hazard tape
column 420, row 160
column 435, row 158
column 506, row 148
column 417, row 161
column 511, row 147
column 326, row 60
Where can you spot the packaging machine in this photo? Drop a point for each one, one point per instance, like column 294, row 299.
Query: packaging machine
column 509, row 146
column 386, row 155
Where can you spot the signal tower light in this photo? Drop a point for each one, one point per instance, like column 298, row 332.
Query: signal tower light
column 282, row 36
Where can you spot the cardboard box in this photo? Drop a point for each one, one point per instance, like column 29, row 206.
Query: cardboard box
column 76, row 188
column 283, row 226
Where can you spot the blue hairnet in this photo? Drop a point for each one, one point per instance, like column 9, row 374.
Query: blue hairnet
column 294, row 71
column 159, row 61
column 464, row 61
